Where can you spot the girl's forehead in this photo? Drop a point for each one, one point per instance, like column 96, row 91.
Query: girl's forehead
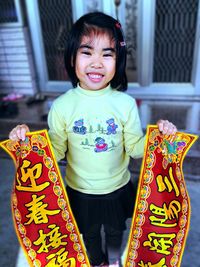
column 94, row 38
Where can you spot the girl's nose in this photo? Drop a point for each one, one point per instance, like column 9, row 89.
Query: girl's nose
column 96, row 63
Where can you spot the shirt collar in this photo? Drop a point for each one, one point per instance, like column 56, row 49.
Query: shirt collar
column 94, row 93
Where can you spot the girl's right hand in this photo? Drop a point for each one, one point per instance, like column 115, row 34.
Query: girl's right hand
column 19, row 132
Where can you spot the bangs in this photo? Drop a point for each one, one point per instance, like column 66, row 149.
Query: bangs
column 93, row 31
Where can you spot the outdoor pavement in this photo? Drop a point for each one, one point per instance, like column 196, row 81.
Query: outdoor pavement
column 12, row 256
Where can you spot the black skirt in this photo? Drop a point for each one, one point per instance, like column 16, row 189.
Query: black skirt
column 113, row 208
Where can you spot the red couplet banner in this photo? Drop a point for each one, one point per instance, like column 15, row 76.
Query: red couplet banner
column 162, row 211
column 44, row 222
column 42, row 216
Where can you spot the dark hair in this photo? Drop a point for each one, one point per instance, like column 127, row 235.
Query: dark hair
column 100, row 22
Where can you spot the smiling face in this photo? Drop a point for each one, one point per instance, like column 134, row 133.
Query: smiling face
column 95, row 61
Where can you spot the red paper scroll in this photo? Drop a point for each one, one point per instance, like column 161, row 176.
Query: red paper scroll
column 43, row 220
column 162, row 212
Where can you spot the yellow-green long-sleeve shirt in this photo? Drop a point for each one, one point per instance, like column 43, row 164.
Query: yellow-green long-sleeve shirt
column 98, row 131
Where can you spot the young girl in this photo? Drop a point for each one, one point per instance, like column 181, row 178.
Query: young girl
column 97, row 126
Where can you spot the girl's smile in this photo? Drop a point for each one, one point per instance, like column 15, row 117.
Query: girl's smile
column 95, row 61
column 95, row 77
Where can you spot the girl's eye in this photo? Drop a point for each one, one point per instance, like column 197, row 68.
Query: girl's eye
column 108, row 55
column 86, row 53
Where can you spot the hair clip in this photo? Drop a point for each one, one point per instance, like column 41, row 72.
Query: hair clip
column 118, row 25
column 122, row 43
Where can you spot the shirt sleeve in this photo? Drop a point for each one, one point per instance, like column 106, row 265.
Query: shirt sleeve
column 134, row 139
column 57, row 132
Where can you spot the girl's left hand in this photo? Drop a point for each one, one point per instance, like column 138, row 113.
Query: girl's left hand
column 166, row 127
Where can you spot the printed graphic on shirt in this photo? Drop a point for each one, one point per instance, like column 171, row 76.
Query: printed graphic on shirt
column 111, row 129
column 100, row 145
column 99, row 138
column 79, row 128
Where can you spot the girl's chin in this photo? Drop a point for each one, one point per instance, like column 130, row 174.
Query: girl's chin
column 93, row 86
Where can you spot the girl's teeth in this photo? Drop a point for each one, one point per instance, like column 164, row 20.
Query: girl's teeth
column 95, row 76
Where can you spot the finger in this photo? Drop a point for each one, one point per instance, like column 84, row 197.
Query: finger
column 170, row 129
column 163, row 126
column 13, row 135
column 18, row 132
column 24, row 130
column 160, row 124
column 167, row 128
column 174, row 130
column 23, row 134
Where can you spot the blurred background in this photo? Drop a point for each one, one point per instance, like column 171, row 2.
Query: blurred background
column 163, row 69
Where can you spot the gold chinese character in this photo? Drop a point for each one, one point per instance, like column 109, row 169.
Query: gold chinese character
column 38, row 212
column 161, row 263
column 53, row 239
column 60, row 259
column 167, row 184
column 32, row 173
column 165, row 213
column 160, row 242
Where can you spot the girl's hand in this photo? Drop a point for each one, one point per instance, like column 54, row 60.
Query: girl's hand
column 19, row 132
column 166, row 127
